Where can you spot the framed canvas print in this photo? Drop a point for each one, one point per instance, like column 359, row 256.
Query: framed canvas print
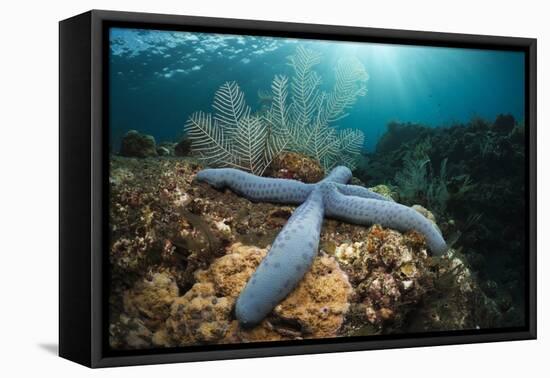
column 233, row 188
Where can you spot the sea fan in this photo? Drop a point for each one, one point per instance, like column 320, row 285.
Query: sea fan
column 249, row 141
column 231, row 137
column 351, row 142
column 351, row 78
column 280, row 132
column 312, row 111
column 305, row 86
column 230, row 107
column 209, row 140
column 299, row 118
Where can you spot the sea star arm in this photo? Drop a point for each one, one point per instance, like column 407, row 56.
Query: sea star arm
column 388, row 214
column 256, row 188
column 339, row 175
column 359, row 191
column 288, row 259
column 295, row 247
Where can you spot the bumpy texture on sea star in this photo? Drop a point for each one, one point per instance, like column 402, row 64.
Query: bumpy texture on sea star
column 296, row 245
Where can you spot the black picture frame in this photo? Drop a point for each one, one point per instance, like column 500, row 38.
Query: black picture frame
column 83, row 164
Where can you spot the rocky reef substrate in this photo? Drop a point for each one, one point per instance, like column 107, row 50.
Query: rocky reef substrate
column 181, row 251
column 472, row 176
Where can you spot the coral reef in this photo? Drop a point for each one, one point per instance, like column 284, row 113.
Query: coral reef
column 154, row 314
column 183, row 147
column 385, row 191
column 456, row 301
column 135, row 144
column 417, row 181
column 298, row 120
column 292, row 165
column 146, row 306
column 390, row 272
column 399, row 288
column 150, row 222
column 176, row 241
column 316, row 308
column 152, row 298
column 281, row 270
column 477, row 166
column 166, row 149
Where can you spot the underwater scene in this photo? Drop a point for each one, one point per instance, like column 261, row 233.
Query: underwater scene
column 269, row 189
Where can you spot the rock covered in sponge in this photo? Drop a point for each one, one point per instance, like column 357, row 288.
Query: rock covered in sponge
column 385, row 191
column 203, row 314
column 389, row 271
column 292, row 165
column 129, row 333
column 146, row 306
column 316, row 307
column 151, row 298
column 320, row 301
column 200, row 316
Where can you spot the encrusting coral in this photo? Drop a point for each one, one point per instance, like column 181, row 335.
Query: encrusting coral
column 316, row 308
column 146, row 307
column 155, row 314
column 152, row 298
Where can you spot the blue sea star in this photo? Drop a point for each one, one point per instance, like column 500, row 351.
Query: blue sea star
column 295, row 247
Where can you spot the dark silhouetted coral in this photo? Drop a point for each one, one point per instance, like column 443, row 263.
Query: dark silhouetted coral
column 484, row 183
column 135, row 144
column 504, row 123
column 183, row 147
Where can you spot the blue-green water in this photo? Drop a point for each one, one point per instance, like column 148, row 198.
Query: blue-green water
column 159, row 78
